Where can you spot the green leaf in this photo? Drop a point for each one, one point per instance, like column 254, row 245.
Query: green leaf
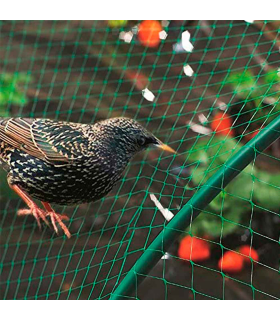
column 220, row 203
column 198, row 174
column 117, row 23
column 241, row 186
column 243, row 77
column 215, row 224
column 242, row 82
column 9, row 91
column 23, row 78
column 215, row 147
column 266, row 190
column 4, row 113
column 18, row 98
column 6, row 77
column 5, row 190
column 233, row 201
column 198, row 152
column 210, row 154
column 273, row 76
column 2, row 98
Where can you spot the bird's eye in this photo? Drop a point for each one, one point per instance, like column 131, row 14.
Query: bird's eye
column 141, row 141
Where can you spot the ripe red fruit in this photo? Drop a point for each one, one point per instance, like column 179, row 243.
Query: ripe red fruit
column 221, row 124
column 231, row 262
column 148, row 33
column 194, row 249
column 249, row 252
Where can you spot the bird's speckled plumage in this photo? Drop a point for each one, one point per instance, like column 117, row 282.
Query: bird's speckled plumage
column 69, row 163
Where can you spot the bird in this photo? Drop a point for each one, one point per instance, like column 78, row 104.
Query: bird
column 67, row 163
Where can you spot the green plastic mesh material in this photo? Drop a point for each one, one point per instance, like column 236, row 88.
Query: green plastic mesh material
column 84, row 71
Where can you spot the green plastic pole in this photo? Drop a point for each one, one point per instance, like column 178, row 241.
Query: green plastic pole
column 193, row 207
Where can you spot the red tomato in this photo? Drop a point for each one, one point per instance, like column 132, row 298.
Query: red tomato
column 249, row 252
column 222, row 124
column 193, row 249
column 148, row 33
column 231, row 262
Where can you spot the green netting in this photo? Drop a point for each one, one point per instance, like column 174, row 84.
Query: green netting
column 84, row 71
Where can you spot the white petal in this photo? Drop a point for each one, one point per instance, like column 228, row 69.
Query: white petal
column 199, row 129
column 168, row 215
column 121, row 35
column 148, row 95
column 162, row 35
column 165, row 23
column 186, row 44
column 177, row 47
column 249, row 21
column 126, row 36
column 202, row 119
column 186, row 36
column 222, row 106
column 188, row 70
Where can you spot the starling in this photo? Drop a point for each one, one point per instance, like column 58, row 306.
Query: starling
column 67, row 163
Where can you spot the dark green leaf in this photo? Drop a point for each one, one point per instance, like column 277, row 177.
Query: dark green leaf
column 266, row 190
column 273, row 76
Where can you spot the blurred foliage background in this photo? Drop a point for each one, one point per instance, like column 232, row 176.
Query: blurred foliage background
column 203, row 87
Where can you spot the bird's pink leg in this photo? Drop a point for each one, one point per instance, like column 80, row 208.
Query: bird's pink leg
column 55, row 217
column 33, row 208
column 39, row 213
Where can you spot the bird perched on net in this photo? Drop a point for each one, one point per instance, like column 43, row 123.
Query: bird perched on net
column 67, row 163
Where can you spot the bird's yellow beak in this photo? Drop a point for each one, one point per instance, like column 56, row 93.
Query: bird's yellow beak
column 165, row 147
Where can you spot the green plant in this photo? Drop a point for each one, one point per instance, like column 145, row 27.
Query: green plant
column 117, row 23
column 252, row 187
column 10, row 92
column 259, row 94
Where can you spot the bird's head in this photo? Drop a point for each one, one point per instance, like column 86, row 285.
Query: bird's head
column 127, row 135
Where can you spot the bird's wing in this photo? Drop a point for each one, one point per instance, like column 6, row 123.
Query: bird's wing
column 54, row 142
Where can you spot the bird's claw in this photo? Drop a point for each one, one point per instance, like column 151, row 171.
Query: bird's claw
column 37, row 214
column 41, row 214
column 55, row 217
